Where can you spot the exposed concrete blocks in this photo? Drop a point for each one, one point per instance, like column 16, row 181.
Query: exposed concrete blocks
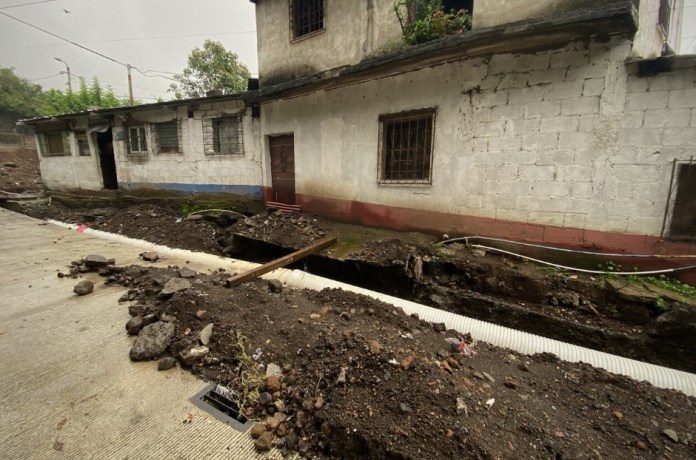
column 559, row 124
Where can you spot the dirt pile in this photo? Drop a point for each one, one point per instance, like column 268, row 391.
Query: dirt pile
column 19, row 172
column 338, row 375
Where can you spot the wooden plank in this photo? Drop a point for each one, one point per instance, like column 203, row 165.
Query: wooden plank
column 282, row 262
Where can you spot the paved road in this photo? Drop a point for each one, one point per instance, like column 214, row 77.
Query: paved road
column 67, row 387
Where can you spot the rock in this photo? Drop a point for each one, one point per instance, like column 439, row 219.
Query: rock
column 96, row 261
column 282, row 430
column 149, row 319
column 671, row 434
column 265, row 398
column 280, row 416
column 202, row 314
column 341, row 376
column 9, row 164
column 204, row 335
column 264, row 442
column 272, row 384
column 407, row 362
column 314, row 316
column 280, row 405
column 510, row 383
column 439, row 327
column 307, row 404
column 461, row 407
column 275, row 286
column 193, row 354
column 137, row 310
column 405, row 408
column 272, row 423
column 186, row 273
column 641, row 445
column 152, row 341
column 632, row 292
column 257, row 430
column 150, row 256
column 319, row 403
column 166, row 363
column 174, row 285
column 478, row 252
column 617, row 415
column 375, row 347
column 273, row 370
column 134, row 325
column 84, row 287
column 565, row 298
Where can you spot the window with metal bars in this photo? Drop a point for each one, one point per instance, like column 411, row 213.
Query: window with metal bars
column 168, row 136
column 82, row 143
column 306, row 16
column 406, row 147
column 227, row 135
column 137, row 141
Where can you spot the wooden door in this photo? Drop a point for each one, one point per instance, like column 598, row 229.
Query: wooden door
column 283, row 168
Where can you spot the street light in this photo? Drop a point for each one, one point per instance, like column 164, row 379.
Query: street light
column 68, row 69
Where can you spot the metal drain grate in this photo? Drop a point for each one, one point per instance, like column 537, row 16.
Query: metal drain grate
column 213, row 400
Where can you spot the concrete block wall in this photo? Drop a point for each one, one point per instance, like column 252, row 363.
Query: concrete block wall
column 72, row 171
column 553, row 138
column 191, row 169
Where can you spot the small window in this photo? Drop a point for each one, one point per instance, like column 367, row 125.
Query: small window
column 307, row 16
column 406, row 146
column 168, row 137
column 226, row 136
column 82, row 143
column 137, row 143
column 54, row 144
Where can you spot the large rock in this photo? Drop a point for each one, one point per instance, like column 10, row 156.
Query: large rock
column 193, row 354
column 135, row 325
column 84, row 287
column 96, row 261
column 174, row 285
column 152, row 341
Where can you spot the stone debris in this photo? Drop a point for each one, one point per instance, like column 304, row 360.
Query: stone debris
column 173, row 286
column 206, row 332
column 84, row 287
column 193, row 354
column 96, row 261
column 275, row 286
column 152, row 341
column 166, row 363
column 150, row 256
column 273, row 370
column 461, row 407
column 186, row 272
column 671, row 435
column 134, row 325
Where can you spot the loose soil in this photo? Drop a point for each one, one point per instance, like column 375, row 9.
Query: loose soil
column 360, row 379
column 19, row 171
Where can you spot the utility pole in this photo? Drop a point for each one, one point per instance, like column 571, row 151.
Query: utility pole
column 69, row 77
column 130, row 84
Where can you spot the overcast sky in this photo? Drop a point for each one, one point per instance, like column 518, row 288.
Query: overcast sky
column 148, row 34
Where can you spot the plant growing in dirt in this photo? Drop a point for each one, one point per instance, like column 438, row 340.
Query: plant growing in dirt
column 425, row 20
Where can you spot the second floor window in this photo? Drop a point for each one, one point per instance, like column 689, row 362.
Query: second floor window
column 307, row 17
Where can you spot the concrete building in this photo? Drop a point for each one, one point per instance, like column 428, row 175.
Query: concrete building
column 561, row 122
column 567, row 122
column 200, row 145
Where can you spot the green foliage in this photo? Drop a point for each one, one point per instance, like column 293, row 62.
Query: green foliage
column 211, row 68
column 664, row 282
column 88, row 97
column 425, row 20
column 17, row 94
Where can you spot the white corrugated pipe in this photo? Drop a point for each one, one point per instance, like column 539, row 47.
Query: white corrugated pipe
column 521, row 342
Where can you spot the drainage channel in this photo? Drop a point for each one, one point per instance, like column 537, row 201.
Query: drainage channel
column 216, row 400
column 494, row 334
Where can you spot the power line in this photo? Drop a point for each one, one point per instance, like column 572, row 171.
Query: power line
column 25, row 4
column 45, row 78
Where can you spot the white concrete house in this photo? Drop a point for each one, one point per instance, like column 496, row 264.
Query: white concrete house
column 554, row 121
column 200, row 145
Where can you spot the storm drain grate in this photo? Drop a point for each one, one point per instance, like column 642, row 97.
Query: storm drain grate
column 214, row 400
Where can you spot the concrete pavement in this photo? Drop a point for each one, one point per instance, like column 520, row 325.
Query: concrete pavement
column 67, row 387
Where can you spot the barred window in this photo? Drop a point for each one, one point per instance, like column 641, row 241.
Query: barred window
column 54, row 144
column 406, row 145
column 82, row 143
column 226, row 136
column 168, row 137
column 307, row 16
column 137, row 142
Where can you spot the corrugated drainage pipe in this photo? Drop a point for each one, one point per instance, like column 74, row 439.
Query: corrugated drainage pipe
column 519, row 341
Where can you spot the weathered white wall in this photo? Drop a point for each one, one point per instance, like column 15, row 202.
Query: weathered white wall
column 192, row 169
column 352, row 30
column 565, row 138
column 72, row 171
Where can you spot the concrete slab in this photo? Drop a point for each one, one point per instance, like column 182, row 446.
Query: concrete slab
column 67, row 387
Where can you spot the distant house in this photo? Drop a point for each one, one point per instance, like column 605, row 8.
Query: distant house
column 550, row 121
column 566, row 122
column 199, row 145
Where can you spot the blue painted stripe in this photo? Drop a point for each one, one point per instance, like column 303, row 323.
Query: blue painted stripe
column 254, row 190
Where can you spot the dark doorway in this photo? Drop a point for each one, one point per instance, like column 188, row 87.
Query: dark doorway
column 283, row 168
column 456, row 5
column 107, row 161
column 683, row 225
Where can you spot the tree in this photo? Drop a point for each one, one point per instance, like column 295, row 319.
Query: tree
column 210, row 68
column 88, row 97
column 18, row 95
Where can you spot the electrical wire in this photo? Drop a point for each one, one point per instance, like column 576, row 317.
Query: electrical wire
column 25, row 4
column 45, row 78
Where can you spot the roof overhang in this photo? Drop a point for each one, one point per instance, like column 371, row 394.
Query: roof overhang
column 620, row 17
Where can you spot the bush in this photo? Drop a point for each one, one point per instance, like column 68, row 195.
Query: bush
column 425, row 20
